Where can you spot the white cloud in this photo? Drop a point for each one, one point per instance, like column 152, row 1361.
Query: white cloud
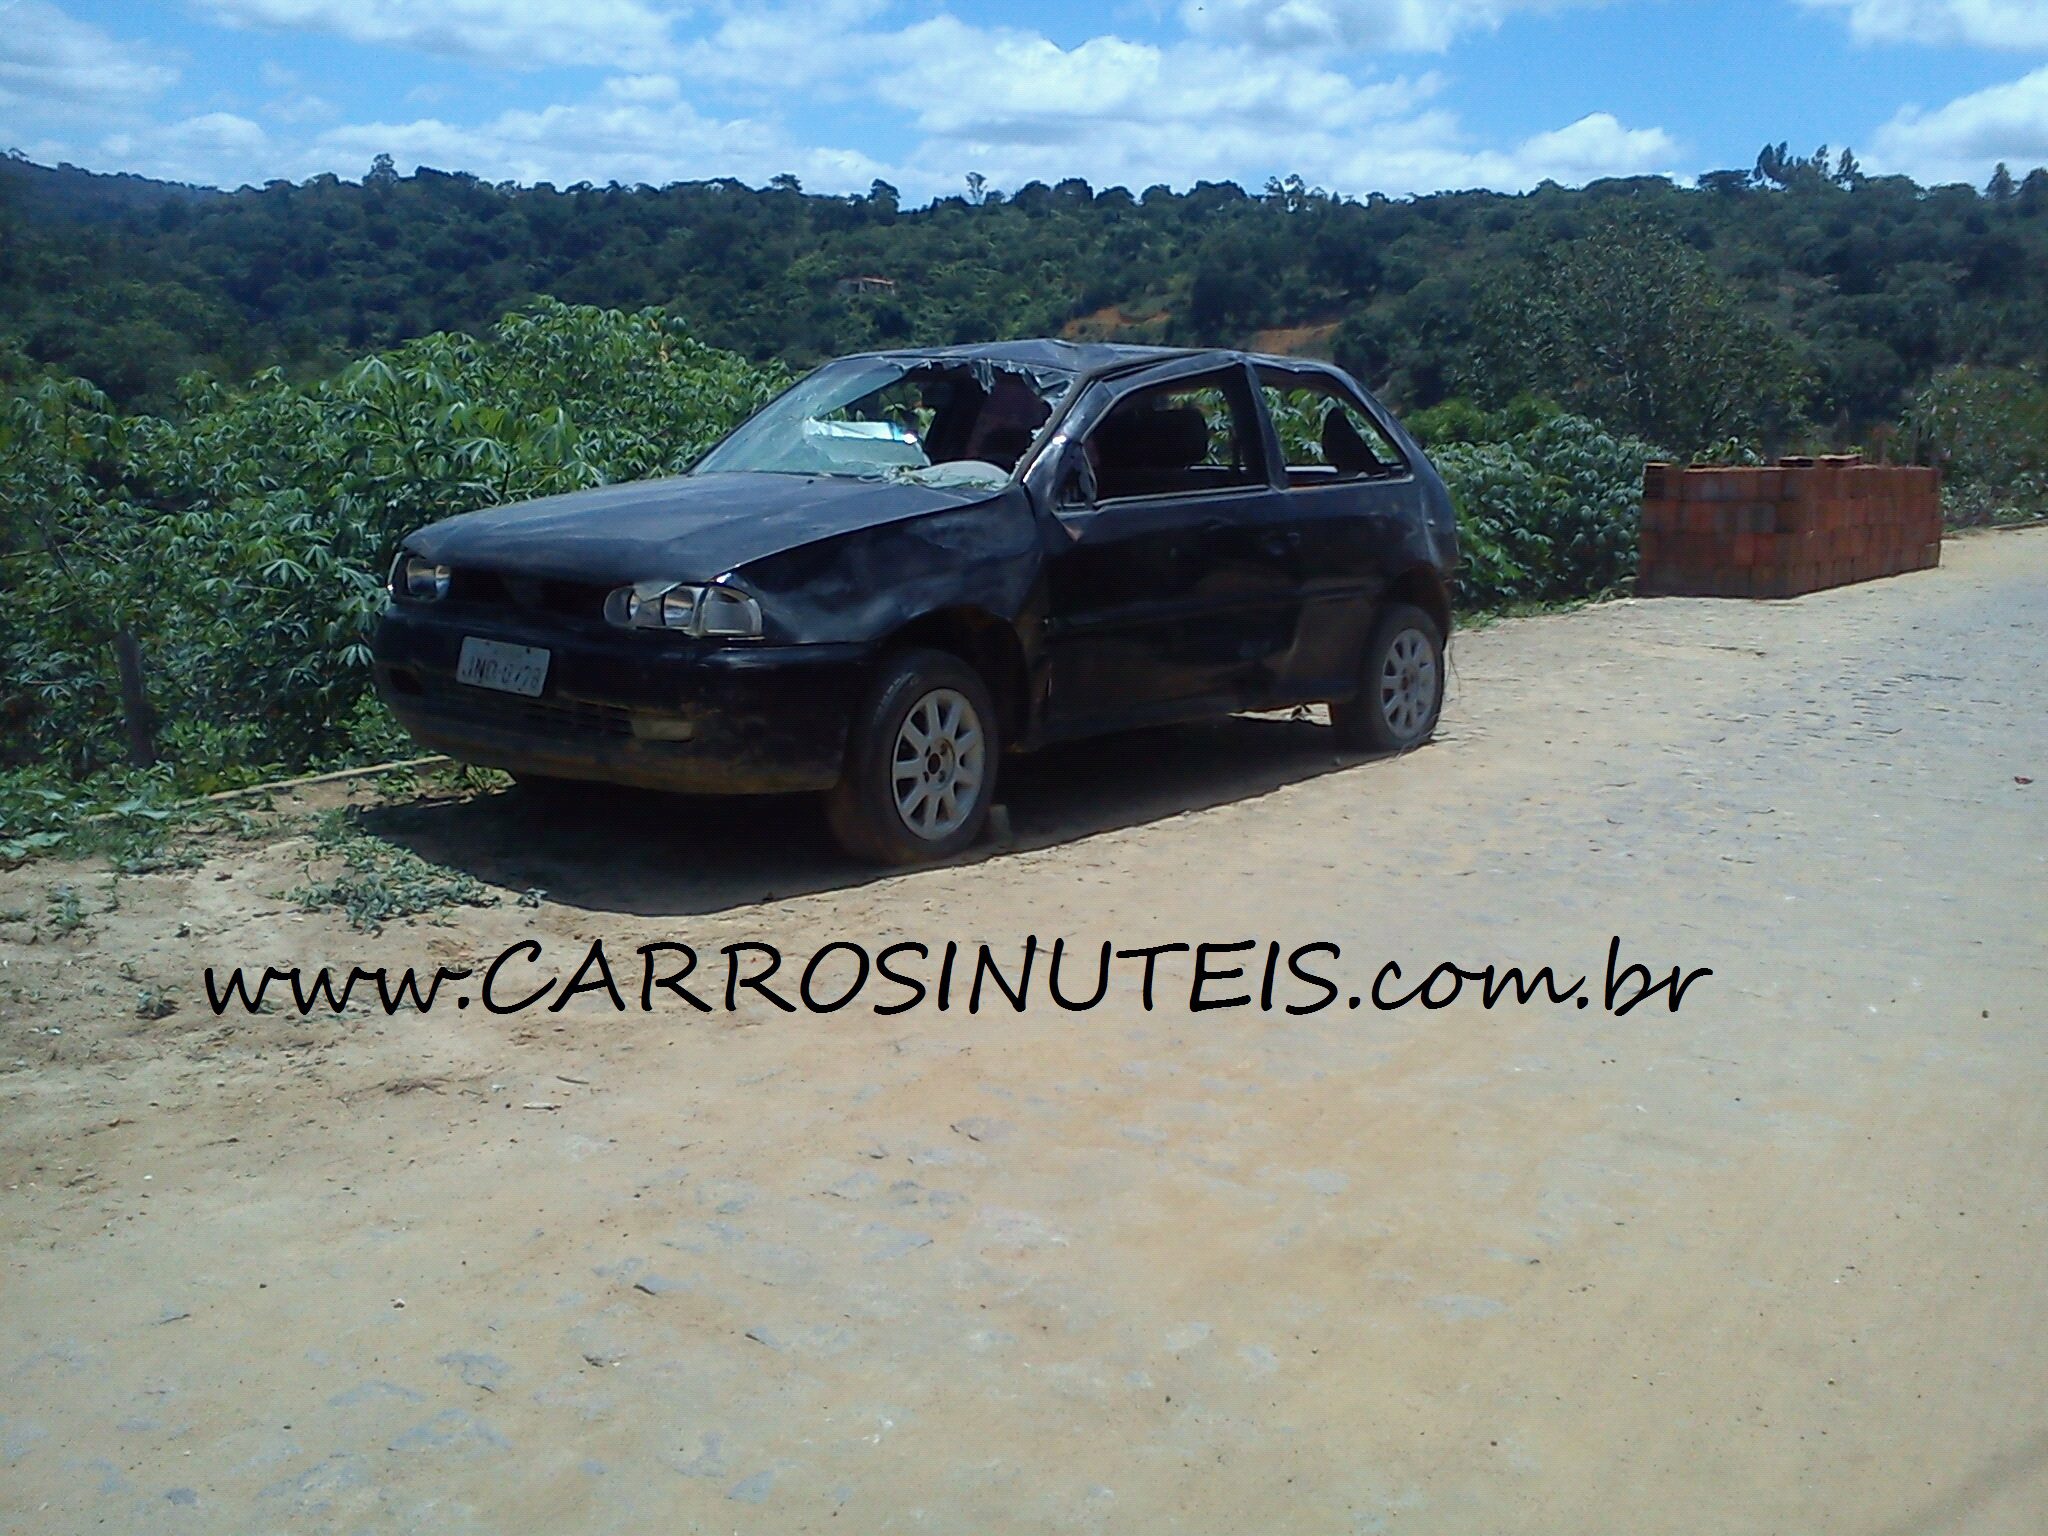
column 301, row 108
column 643, row 88
column 1596, row 145
column 1029, row 90
column 1984, row 23
column 1428, row 152
column 605, row 139
column 1965, row 139
column 214, row 149
column 784, row 48
column 52, row 65
column 1004, row 101
column 1398, row 26
column 1015, row 106
column 514, row 33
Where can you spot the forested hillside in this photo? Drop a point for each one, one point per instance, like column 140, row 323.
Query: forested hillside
column 1860, row 287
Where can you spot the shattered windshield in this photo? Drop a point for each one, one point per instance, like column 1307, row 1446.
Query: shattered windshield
column 924, row 420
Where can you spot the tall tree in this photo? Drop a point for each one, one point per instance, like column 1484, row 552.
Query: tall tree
column 1628, row 324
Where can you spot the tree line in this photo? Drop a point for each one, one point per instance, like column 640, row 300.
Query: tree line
column 1827, row 296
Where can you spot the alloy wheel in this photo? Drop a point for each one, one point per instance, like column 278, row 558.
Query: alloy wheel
column 1407, row 685
column 938, row 766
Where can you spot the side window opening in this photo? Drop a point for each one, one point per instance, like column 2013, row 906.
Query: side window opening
column 1188, row 436
column 1324, row 437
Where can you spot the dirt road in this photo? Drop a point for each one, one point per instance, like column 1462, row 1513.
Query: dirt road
column 1777, row 1261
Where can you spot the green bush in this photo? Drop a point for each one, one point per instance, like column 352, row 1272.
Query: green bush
column 1547, row 511
column 1987, row 429
column 242, row 545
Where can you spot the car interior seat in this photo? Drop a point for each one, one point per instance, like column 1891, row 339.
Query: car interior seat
column 1345, row 448
column 957, row 406
column 1004, row 446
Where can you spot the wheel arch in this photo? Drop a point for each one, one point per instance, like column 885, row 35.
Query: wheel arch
column 986, row 643
column 1425, row 588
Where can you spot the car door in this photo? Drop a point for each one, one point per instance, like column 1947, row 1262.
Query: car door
column 1172, row 589
column 1351, row 496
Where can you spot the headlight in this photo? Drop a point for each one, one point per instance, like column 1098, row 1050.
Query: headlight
column 678, row 608
column 714, row 611
column 421, row 580
column 725, row 611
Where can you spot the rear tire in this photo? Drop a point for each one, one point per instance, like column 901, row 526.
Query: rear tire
column 920, row 762
column 1401, row 685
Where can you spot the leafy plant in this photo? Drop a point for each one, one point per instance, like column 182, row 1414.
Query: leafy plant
column 42, row 812
column 66, row 912
column 380, row 881
column 1987, row 428
column 239, row 550
column 1546, row 513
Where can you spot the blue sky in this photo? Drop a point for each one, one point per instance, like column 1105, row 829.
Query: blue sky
column 1396, row 96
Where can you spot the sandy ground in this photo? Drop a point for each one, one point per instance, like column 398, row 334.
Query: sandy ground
column 1776, row 1262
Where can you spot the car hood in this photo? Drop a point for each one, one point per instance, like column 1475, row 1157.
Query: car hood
column 684, row 528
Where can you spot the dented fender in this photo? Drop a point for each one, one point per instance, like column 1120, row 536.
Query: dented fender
column 869, row 583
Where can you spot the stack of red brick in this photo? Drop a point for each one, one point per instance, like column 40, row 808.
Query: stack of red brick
column 1807, row 524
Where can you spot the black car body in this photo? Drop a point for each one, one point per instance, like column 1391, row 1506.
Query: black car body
column 1131, row 545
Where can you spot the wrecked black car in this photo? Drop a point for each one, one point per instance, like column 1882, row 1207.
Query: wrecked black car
column 912, row 563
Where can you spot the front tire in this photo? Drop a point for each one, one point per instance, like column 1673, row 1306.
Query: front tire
column 920, row 762
column 1401, row 689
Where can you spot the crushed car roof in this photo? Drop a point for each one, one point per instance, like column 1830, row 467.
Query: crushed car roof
column 1083, row 358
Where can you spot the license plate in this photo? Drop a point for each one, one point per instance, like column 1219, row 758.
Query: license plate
column 508, row 668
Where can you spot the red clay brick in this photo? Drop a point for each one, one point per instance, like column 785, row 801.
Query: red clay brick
column 1779, row 532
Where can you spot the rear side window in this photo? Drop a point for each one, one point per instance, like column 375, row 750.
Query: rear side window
column 1176, row 439
column 1324, row 437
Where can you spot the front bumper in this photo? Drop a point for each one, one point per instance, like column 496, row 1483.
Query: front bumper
column 625, row 707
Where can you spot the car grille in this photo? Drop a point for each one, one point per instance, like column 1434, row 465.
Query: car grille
column 550, row 717
column 526, row 594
